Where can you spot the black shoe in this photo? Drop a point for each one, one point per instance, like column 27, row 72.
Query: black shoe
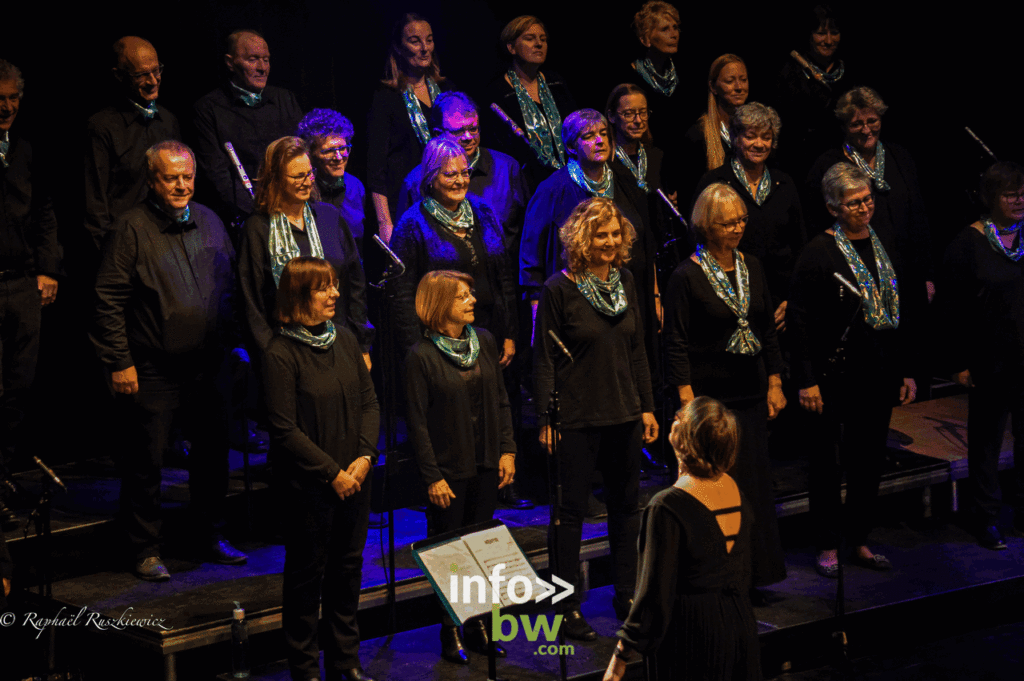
column 991, row 538
column 508, row 497
column 451, row 645
column 477, row 638
column 650, row 464
column 226, row 554
column 576, row 628
column 8, row 518
column 622, row 604
column 152, row 569
column 355, row 674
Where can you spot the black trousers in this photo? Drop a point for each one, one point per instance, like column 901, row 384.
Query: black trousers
column 20, row 318
column 474, row 502
column 323, row 569
column 988, row 408
column 615, row 452
column 850, row 434
column 191, row 390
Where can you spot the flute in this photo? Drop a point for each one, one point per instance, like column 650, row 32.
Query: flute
column 511, row 123
column 238, row 166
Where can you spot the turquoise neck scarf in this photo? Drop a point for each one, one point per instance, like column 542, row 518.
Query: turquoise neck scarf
column 5, row 145
column 881, row 303
column 764, row 187
column 639, row 169
column 248, row 98
column 993, row 233
column 464, row 350
column 743, row 341
column 302, row 334
column 544, row 131
column 331, row 184
column 472, row 160
column 665, row 84
column 282, row 243
column 182, row 219
column 598, row 293
column 148, row 112
column 830, row 78
column 460, row 220
column 723, row 132
column 877, row 173
column 602, row 187
column 415, row 111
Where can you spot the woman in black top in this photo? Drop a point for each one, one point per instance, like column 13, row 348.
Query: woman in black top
column 397, row 127
column 324, row 424
column 460, row 423
column 533, row 102
column 853, row 383
column 692, row 616
column 452, row 231
column 983, row 290
column 604, row 393
column 291, row 221
column 721, row 342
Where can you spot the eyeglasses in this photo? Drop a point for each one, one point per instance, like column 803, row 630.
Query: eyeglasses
column 630, row 114
column 299, row 179
column 333, row 286
column 872, row 123
column 733, row 225
column 340, row 151
column 1014, row 197
column 451, row 177
column 866, row 202
column 471, row 293
column 141, row 76
column 473, row 130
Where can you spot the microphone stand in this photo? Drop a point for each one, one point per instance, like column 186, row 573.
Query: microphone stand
column 556, row 521
column 389, row 414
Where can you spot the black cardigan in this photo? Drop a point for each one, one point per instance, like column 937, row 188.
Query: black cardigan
column 439, row 411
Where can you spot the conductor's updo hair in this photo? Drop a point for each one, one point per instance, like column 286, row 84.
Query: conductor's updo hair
column 705, row 438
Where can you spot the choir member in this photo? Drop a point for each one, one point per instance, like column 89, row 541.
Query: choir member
column 324, row 422
column 397, row 127
column 163, row 328
column 120, row 134
column 605, row 398
column 721, row 342
column 849, row 363
column 247, row 112
column 460, row 424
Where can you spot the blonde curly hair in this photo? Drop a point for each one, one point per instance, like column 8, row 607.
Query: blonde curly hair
column 577, row 232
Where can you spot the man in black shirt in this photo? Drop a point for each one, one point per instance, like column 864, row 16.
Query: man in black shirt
column 119, row 135
column 164, row 324
column 29, row 264
column 246, row 112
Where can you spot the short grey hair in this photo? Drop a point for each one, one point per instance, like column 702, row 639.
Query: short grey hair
column 9, row 71
column 174, row 147
column 436, row 155
column 841, row 178
column 859, row 98
column 709, row 205
column 757, row 117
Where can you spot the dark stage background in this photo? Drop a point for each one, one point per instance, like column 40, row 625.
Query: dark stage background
column 937, row 71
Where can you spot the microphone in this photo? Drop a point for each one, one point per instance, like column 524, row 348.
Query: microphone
column 49, row 472
column 391, row 254
column 842, row 280
column 561, row 345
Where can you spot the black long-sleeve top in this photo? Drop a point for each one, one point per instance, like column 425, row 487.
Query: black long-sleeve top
column 424, row 245
column 115, row 162
column 500, row 135
column 164, row 290
column 221, row 116
column 259, row 290
column 775, row 231
column 820, row 308
column 698, row 326
column 981, row 295
column 6, row 569
column 350, row 201
column 321, row 407
column 393, row 147
column 608, row 382
column 441, row 403
column 28, row 228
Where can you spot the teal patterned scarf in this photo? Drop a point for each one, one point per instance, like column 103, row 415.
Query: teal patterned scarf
column 460, row 220
column 282, row 243
column 639, row 169
column 743, row 341
column 764, row 187
column 881, row 303
column 544, row 131
column 829, row 78
column 993, row 233
column 248, row 98
column 415, row 111
column 723, row 132
column 602, row 187
column 598, row 293
column 5, row 146
column 877, row 173
column 304, row 335
column 464, row 350
column 331, row 184
column 182, row 218
column 665, row 84
column 148, row 112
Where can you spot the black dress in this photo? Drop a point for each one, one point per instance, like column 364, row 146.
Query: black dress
column 691, row 609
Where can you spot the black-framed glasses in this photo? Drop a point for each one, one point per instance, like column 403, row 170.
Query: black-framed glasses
column 299, row 179
column 867, row 202
column 630, row 114
column 340, row 151
column 733, row 225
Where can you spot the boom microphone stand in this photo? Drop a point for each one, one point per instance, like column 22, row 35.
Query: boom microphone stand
column 556, row 521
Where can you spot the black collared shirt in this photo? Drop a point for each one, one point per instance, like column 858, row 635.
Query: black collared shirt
column 163, row 290
column 220, row 117
column 28, row 228
column 115, row 161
